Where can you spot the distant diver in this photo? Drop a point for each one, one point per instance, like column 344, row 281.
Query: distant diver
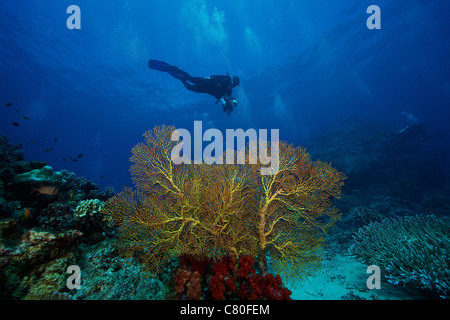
column 219, row 86
column 415, row 129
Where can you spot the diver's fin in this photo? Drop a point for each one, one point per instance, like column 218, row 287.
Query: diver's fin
column 172, row 70
column 160, row 65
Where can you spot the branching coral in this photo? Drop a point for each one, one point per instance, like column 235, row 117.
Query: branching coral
column 295, row 211
column 209, row 211
column 413, row 250
column 197, row 210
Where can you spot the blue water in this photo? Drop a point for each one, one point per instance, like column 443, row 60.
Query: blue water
column 304, row 66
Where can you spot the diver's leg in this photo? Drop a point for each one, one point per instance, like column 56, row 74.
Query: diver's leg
column 188, row 86
column 196, row 84
column 179, row 74
column 192, row 86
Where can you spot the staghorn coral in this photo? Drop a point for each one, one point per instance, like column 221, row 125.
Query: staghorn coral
column 210, row 211
column 413, row 250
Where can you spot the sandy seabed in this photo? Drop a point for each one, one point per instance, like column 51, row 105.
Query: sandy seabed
column 344, row 278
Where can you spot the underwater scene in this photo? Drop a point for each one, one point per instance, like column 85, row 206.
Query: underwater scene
column 224, row 150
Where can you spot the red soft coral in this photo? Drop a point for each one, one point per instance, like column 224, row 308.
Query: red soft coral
column 267, row 287
column 194, row 290
column 221, row 267
column 217, row 287
column 193, row 264
column 231, row 286
column 237, row 278
column 246, row 266
column 181, row 279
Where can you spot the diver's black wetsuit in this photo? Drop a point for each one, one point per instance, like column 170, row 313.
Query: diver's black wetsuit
column 219, row 86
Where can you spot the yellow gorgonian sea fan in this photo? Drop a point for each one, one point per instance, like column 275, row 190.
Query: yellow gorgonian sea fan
column 207, row 211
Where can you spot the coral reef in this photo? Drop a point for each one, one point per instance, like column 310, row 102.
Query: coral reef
column 89, row 213
column 88, row 209
column 210, row 211
column 41, row 232
column 107, row 276
column 9, row 154
column 224, row 233
column 413, row 250
column 42, row 176
column 28, row 269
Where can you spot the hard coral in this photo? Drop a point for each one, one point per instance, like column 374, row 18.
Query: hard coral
column 413, row 250
column 90, row 219
column 56, row 217
column 42, row 176
column 31, row 263
column 89, row 209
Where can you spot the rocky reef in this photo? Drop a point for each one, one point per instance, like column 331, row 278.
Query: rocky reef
column 50, row 220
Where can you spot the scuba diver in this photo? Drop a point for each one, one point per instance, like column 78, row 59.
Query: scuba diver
column 220, row 87
column 415, row 129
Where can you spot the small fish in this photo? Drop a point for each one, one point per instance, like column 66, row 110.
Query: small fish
column 56, row 140
column 64, row 159
column 74, row 160
column 101, row 177
column 71, row 196
column 26, row 213
column 33, row 142
column 15, row 124
column 9, row 104
column 80, row 156
column 48, row 150
column 26, row 118
column 49, row 190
